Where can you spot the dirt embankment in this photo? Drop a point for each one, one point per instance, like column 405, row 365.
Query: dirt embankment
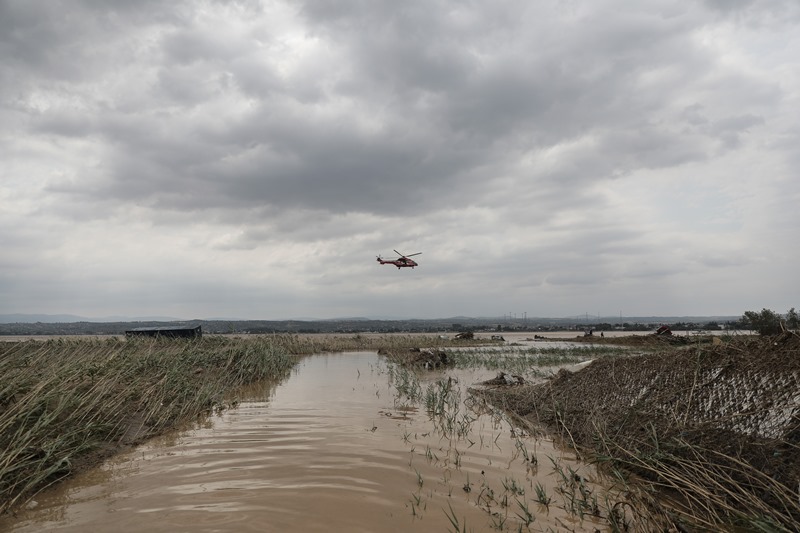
column 717, row 426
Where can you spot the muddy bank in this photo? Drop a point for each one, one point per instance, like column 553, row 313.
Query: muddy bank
column 715, row 426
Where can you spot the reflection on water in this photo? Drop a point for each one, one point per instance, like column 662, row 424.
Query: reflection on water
column 331, row 449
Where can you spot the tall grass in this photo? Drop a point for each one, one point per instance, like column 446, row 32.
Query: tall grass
column 64, row 403
column 389, row 343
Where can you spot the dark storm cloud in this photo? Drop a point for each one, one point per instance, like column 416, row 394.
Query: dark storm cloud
column 53, row 39
column 517, row 78
column 480, row 112
column 424, row 100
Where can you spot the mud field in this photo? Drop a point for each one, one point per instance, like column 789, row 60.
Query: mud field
column 714, row 426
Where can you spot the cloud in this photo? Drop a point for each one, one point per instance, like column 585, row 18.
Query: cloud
column 549, row 146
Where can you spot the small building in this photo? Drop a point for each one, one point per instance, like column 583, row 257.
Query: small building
column 172, row 332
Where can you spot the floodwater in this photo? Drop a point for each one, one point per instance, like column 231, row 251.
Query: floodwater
column 335, row 447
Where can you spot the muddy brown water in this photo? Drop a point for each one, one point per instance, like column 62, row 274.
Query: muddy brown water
column 333, row 448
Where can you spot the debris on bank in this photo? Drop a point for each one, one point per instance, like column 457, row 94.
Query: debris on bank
column 419, row 357
column 664, row 330
column 504, row 380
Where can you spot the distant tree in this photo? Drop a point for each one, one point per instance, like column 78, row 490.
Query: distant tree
column 736, row 324
column 765, row 322
column 792, row 320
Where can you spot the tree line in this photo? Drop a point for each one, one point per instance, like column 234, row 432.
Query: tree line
column 768, row 322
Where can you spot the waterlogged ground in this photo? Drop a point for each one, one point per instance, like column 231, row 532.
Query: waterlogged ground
column 350, row 443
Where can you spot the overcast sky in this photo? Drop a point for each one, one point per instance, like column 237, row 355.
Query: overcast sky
column 250, row 159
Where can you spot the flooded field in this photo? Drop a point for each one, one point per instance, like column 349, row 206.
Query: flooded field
column 349, row 442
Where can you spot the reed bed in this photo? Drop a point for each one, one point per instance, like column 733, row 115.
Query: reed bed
column 384, row 343
column 65, row 404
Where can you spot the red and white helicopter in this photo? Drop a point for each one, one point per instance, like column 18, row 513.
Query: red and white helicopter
column 401, row 262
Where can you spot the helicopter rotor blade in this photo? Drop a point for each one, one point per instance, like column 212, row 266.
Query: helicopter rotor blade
column 409, row 255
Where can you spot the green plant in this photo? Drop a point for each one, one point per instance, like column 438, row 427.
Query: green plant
column 458, row 527
column 541, row 495
column 525, row 513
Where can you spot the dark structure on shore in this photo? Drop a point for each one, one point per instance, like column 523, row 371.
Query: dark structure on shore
column 166, row 331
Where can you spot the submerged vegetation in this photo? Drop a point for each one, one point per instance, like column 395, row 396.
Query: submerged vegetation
column 538, row 489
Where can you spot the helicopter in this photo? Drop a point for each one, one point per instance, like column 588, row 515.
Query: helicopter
column 401, row 262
